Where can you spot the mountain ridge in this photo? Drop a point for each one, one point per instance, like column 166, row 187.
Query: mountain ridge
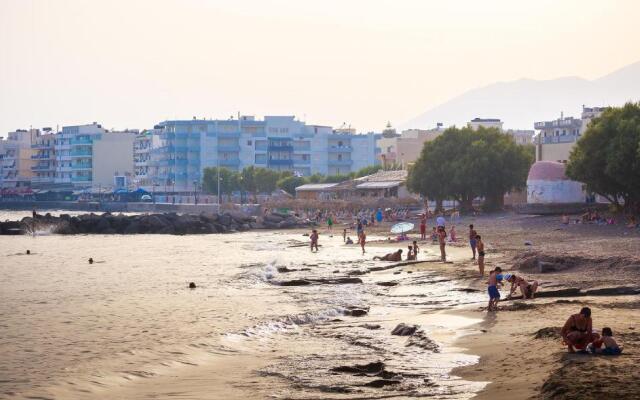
column 521, row 102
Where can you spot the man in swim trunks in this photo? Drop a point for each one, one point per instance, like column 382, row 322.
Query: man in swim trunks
column 577, row 332
column 492, row 288
column 472, row 240
column 397, row 256
column 527, row 289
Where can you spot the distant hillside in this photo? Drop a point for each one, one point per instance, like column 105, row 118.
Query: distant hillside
column 520, row 103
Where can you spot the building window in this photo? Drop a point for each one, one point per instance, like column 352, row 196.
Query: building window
column 249, row 142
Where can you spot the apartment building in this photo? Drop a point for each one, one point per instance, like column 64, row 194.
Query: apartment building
column 404, row 149
column 556, row 138
column 278, row 142
column 485, row 123
column 43, row 159
column 143, row 146
column 17, row 158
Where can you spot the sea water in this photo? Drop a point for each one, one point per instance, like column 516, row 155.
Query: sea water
column 128, row 326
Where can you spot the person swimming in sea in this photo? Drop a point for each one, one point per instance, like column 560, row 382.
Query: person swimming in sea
column 396, row 256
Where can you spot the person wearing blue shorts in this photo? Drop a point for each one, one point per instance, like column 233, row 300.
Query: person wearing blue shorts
column 492, row 288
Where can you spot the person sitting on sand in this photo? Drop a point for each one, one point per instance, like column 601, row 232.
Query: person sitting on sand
column 314, row 240
column 565, row 219
column 397, row 256
column 577, row 332
column 527, row 289
column 492, row 288
column 348, row 241
column 611, row 347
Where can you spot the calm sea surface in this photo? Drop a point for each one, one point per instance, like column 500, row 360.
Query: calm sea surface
column 127, row 326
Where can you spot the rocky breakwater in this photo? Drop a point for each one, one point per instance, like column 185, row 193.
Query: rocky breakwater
column 169, row 223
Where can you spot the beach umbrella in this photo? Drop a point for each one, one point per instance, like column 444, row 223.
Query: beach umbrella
column 402, row 227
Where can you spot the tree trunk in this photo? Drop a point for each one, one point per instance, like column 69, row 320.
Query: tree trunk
column 439, row 207
column 466, row 204
column 493, row 202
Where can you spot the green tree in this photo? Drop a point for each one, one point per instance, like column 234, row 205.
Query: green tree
column 266, row 180
column 463, row 164
column 336, row 178
column 290, row 183
column 368, row 170
column 607, row 156
column 229, row 181
column 315, row 178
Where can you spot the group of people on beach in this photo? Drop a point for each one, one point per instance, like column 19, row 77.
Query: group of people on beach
column 527, row 289
column 578, row 334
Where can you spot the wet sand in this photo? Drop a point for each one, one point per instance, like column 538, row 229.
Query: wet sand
column 521, row 352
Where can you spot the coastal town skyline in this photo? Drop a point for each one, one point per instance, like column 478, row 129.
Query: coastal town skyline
column 72, row 62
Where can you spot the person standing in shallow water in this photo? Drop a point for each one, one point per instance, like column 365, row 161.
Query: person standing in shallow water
column 314, row 240
column 480, row 245
column 472, row 240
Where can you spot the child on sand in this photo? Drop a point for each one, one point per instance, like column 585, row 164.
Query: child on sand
column 314, row 240
column 415, row 249
column 344, row 235
column 410, row 255
column 363, row 240
column 611, row 347
column 492, row 288
column 453, row 235
column 434, row 235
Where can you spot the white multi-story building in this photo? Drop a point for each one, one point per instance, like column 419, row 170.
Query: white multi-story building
column 521, row 136
column 278, row 142
column 556, row 139
column 143, row 145
column 485, row 123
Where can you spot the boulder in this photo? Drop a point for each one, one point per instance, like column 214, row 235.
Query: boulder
column 404, row 330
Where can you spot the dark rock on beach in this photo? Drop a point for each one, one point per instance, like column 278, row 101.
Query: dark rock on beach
column 404, row 330
column 168, row 223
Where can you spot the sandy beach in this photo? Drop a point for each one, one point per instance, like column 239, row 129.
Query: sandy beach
column 520, row 349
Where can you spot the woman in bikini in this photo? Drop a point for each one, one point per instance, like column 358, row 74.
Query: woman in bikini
column 527, row 289
column 577, row 332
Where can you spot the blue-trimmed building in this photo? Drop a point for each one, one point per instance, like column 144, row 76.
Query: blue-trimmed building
column 277, row 142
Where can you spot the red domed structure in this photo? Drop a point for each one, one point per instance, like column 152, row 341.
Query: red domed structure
column 548, row 184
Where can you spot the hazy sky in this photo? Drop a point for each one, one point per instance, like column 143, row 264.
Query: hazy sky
column 130, row 64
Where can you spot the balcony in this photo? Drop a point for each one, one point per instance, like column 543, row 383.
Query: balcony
column 181, row 149
column 181, row 161
column 141, row 163
column 559, row 139
column 41, row 146
column 77, row 166
column 41, row 157
column 234, row 148
column 284, row 148
column 81, row 141
column 81, row 153
column 340, row 149
column 82, row 178
column 281, row 162
column 301, row 161
column 228, row 134
column 340, row 163
column 43, row 168
column 233, row 162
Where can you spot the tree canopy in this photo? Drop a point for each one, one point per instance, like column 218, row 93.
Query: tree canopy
column 607, row 156
column 463, row 164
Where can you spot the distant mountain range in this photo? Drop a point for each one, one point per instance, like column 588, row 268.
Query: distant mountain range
column 522, row 102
